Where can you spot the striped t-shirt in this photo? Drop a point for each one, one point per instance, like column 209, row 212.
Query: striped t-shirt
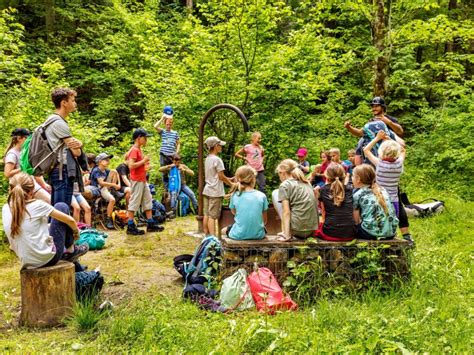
column 388, row 176
column 169, row 142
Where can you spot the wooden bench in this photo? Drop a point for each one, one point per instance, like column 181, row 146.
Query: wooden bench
column 47, row 295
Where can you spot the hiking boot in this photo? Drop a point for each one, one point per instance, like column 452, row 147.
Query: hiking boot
column 133, row 230
column 109, row 224
column 79, row 250
column 153, row 227
column 408, row 238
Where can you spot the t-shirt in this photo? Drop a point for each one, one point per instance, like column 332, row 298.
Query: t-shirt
column 339, row 221
column 13, row 157
column 304, row 164
column 303, row 204
column 388, row 176
column 248, row 221
column 55, row 133
column 138, row 174
column 214, row 186
column 123, row 169
column 373, row 218
column 96, row 174
column 33, row 246
column 254, row 156
column 169, row 142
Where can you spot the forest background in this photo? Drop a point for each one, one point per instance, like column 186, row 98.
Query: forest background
column 297, row 69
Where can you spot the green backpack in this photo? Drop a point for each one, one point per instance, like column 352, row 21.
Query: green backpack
column 94, row 238
column 235, row 292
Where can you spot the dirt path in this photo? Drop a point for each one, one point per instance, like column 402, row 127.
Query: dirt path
column 131, row 265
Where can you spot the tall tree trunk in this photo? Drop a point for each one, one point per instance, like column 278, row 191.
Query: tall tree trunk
column 189, row 4
column 49, row 15
column 452, row 5
column 381, row 62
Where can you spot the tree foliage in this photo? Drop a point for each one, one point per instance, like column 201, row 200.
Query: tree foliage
column 297, row 69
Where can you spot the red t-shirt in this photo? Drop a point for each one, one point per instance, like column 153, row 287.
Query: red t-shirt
column 138, row 174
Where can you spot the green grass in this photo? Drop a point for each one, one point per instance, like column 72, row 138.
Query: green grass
column 433, row 313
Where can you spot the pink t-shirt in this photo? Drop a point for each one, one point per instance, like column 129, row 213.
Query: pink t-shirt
column 254, row 156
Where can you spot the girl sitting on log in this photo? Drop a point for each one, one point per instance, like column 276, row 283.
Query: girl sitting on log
column 374, row 213
column 295, row 202
column 249, row 207
column 336, row 204
column 25, row 221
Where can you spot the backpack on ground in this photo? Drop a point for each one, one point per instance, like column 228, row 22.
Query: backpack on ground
column 94, row 238
column 88, row 284
column 235, row 292
column 37, row 157
column 267, row 293
column 120, row 218
column 423, row 208
column 183, row 207
column 205, row 263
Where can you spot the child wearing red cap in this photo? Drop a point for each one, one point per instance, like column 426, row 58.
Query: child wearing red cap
column 303, row 164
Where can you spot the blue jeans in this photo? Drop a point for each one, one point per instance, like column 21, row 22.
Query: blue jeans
column 61, row 233
column 187, row 191
column 62, row 190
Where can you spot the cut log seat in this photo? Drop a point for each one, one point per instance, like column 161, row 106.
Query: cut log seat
column 47, row 295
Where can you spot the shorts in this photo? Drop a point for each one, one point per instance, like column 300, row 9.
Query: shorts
column 106, row 194
column 79, row 198
column 140, row 196
column 212, row 207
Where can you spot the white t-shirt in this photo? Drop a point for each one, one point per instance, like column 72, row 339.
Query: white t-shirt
column 214, row 186
column 34, row 245
column 13, row 157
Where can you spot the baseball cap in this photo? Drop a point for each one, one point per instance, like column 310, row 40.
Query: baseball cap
column 378, row 101
column 103, row 156
column 140, row 132
column 20, row 132
column 302, row 152
column 168, row 112
column 212, row 141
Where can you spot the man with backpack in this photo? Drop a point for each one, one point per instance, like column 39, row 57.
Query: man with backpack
column 60, row 139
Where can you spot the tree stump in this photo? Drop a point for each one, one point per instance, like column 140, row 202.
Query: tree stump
column 47, row 295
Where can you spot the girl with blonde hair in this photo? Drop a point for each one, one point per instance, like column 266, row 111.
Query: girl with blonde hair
column 336, row 205
column 25, row 221
column 373, row 213
column 248, row 205
column 295, row 202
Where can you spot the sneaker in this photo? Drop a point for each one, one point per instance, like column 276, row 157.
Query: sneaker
column 133, row 230
column 79, row 250
column 109, row 224
column 153, row 227
column 408, row 238
column 170, row 215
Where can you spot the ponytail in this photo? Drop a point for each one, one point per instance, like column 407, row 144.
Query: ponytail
column 335, row 174
column 21, row 185
column 12, row 143
column 380, row 199
column 246, row 177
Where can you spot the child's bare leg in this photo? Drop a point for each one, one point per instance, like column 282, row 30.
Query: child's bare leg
column 211, row 226
column 205, row 221
column 76, row 214
column 87, row 212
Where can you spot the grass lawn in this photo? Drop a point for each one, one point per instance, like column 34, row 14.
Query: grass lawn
column 432, row 313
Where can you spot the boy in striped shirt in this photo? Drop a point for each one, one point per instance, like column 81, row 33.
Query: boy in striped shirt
column 388, row 165
column 169, row 140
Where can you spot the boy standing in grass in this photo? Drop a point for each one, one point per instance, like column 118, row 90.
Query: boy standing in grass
column 214, row 189
column 140, row 193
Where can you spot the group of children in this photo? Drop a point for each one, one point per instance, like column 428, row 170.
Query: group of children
column 335, row 200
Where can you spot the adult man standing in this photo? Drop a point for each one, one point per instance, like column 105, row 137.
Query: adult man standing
column 59, row 137
column 169, row 140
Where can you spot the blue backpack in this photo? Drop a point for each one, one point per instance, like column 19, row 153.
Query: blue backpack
column 204, row 264
column 183, row 204
column 174, row 182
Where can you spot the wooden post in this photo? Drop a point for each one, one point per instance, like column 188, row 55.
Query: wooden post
column 48, row 295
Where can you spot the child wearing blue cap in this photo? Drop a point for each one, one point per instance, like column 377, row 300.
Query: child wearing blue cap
column 169, row 140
